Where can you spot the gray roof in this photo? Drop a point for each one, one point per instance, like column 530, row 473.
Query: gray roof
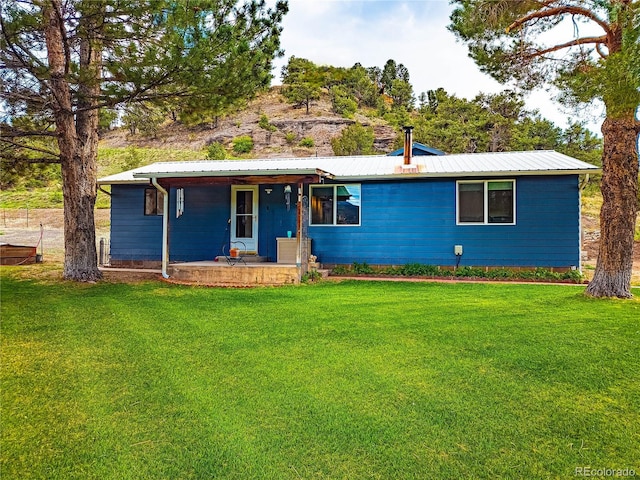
column 538, row 162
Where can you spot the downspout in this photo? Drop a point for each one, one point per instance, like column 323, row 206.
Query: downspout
column 165, row 225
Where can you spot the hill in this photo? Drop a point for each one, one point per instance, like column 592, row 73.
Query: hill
column 290, row 126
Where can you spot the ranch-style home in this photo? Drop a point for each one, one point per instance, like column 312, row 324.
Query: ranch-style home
column 258, row 221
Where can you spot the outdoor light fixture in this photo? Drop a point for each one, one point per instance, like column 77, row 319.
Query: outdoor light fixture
column 287, row 196
column 268, row 190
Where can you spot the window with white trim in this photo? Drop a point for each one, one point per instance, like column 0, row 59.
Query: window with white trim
column 486, row 202
column 334, row 204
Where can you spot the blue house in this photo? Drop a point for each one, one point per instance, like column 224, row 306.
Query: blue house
column 512, row 209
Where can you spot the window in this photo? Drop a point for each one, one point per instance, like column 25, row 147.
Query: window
column 335, row 205
column 484, row 202
column 153, row 202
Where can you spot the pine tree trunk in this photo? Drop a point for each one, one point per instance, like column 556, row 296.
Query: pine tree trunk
column 77, row 140
column 612, row 277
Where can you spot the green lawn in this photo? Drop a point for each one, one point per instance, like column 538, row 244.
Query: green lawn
column 335, row 380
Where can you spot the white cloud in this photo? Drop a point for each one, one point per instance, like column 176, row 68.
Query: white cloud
column 414, row 33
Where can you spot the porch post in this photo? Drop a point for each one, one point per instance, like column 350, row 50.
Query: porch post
column 165, row 226
column 299, row 227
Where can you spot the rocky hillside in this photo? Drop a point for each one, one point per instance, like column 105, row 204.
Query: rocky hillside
column 292, row 125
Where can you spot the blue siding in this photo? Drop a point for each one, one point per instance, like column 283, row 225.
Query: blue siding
column 134, row 236
column 401, row 222
column 201, row 230
column 274, row 219
column 414, row 221
column 203, row 227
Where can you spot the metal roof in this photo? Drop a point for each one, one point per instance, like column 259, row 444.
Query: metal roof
column 122, row 177
column 538, row 162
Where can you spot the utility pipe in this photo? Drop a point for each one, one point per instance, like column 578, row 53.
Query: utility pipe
column 165, row 225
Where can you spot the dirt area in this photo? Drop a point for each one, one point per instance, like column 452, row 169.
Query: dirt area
column 591, row 239
column 22, row 227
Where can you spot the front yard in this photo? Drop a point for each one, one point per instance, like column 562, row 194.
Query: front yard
column 335, row 380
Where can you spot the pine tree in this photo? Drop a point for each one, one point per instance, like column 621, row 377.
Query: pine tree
column 68, row 59
column 506, row 40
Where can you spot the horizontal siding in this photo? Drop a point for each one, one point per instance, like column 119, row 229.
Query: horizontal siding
column 401, row 222
column 203, row 229
column 199, row 233
column 274, row 219
column 415, row 222
column 134, row 236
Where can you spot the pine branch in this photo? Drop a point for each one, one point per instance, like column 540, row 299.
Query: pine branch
column 578, row 41
column 561, row 10
column 29, row 160
column 8, row 141
column 12, row 132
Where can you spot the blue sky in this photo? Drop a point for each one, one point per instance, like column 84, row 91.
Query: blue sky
column 412, row 32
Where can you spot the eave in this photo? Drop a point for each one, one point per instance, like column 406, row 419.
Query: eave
column 183, row 181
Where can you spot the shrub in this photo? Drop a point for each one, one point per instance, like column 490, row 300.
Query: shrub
column 470, row 272
column 307, row 142
column 290, row 138
column 342, row 103
column 356, row 139
column 265, row 124
column 242, row 144
column 362, row 268
column 419, row 270
column 216, row 151
column 340, row 270
column 500, row 273
column 311, row 276
column 574, row 275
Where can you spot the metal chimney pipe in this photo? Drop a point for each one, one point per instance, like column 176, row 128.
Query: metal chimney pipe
column 408, row 144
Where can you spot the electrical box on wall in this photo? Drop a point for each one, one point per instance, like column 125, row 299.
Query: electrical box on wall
column 457, row 249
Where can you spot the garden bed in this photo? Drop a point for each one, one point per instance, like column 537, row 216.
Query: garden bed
column 431, row 272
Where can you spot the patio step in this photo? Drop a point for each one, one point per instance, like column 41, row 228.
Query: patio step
column 246, row 258
column 239, row 275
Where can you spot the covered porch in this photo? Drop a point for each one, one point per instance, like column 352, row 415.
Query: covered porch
column 254, row 204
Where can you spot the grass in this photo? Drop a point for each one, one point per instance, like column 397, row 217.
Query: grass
column 348, row 380
column 110, row 160
column 40, row 197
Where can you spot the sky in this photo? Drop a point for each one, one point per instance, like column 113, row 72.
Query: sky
column 412, row 32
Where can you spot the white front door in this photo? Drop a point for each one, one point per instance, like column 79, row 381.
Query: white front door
column 244, row 216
